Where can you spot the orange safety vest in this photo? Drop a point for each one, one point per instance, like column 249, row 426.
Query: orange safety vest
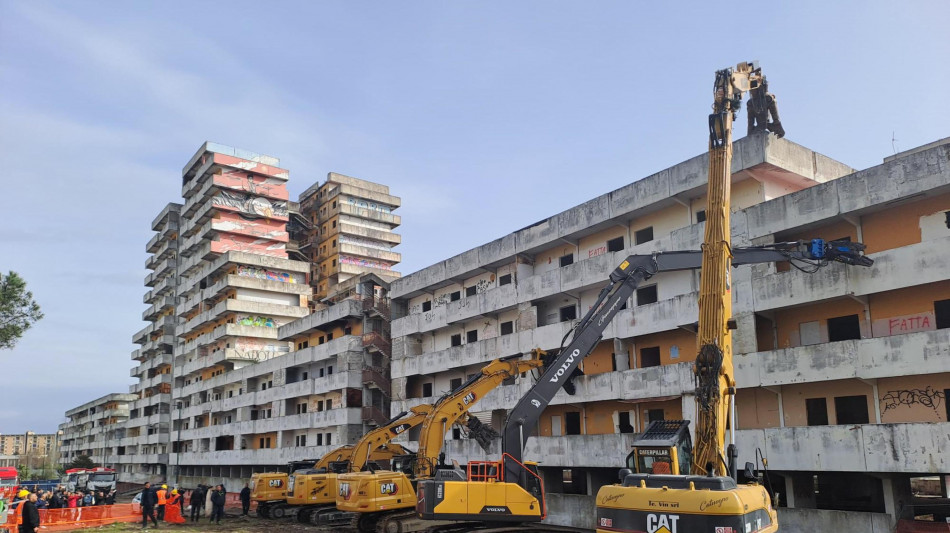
column 173, row 499
column 161, row 496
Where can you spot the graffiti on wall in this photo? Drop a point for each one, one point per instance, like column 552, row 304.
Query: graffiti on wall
column 898, row 325
column 264, row 274
column 907, row 397
column 252, row 183
column 251, row 205
column 362, row 262
column 257, row 320
column 363, row 204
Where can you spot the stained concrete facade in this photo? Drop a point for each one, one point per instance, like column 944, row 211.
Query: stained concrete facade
column 98, row 429
column 842, row 373
column 352, row 222
column 240, row 370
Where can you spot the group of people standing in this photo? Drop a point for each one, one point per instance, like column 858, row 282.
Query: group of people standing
column 154, row 502
column 60, row 498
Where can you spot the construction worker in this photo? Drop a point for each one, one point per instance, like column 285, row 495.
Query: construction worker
column 162, row 494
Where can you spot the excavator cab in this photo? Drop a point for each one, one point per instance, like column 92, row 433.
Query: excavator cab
column 664, row 448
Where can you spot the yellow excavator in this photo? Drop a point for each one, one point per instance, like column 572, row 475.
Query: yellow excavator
column 655, row 495
column 280, row 494
column 384, row 500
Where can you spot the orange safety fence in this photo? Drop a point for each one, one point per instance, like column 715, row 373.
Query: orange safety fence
column 79, row 517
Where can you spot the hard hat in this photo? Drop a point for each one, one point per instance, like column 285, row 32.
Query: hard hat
column 164, row 486
column 174, row 491
column 23, row 493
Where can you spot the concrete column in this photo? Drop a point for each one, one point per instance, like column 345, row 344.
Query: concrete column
column 788, row 496
column 621, row 355
column 689, row 413
column 897, row 494
column 745, row 340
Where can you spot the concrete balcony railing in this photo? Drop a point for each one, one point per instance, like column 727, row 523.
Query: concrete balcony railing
column 347, row 308
column 927, row 260
column 322, row 352
column 372, row 253
column 545, row 337
column 926, row 352
column 628, row 385
column 591, row 451
column 265, row 456
column 922, row 448
column 371, row 214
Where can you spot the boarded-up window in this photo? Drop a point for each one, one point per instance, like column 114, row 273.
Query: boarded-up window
column 456, row 339
column 504, row 280
column 615, row 245
column 470, row 291
column 426, row 306
column 507, row 328
column 566, row 260
column 810, row 332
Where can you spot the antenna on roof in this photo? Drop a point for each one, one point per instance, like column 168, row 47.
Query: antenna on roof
column 893, row 142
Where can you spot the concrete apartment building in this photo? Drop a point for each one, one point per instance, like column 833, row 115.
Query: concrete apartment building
column 29, row 449
column 235, row 373
column 97, row 429
column 352, row 231
column 843, row 374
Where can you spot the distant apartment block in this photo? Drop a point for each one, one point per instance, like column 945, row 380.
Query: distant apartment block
column 98, row 430
column 29, row 449
column 843, row 374
column 239, row 369
column 352, row 231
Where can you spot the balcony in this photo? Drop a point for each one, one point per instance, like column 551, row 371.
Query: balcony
column 631, row 386
column 545, row 337
column 346, row 308
column 922, row 448
column 926, row 352
column 589, row 451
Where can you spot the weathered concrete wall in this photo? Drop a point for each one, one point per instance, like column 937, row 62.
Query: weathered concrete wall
column 818, row 520
column 571, row 510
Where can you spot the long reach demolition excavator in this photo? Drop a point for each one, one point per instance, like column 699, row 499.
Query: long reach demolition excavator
column 510, row 490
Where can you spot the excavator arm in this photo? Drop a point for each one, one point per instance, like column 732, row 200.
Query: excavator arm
column 453, row 407
column 384, row 434
column 623, row 282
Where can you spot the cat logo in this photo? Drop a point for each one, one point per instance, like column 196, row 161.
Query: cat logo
column 662, row 523
column 399, row 429
column 344, row 491
column 388, row 488
column 536, row 403
column 276, row 483
column 469, row 398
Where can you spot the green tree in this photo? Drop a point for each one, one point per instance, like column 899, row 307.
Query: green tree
column 83, row 461
column 18, row 311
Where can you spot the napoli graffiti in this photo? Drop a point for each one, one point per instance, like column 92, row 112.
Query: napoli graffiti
column 907, row 397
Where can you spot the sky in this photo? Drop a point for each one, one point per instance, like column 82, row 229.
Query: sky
column 484, row 117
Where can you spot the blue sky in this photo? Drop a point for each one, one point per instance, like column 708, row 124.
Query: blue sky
column 483, row 116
